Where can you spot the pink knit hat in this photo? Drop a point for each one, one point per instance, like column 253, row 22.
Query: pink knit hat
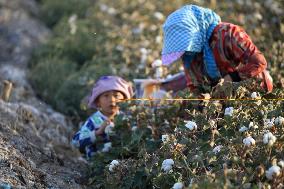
column 109, row 83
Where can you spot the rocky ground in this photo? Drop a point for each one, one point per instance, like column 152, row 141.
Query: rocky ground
column 35, row 147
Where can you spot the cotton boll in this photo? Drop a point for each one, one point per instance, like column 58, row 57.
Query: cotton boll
column 229, row 111
column 269, row 139
column 273, row 171
column 268, row 123
column 248, row 141
column 165, row 138
column 279, row 121
column 107, row 147
column 243, row 129
column 191, row 125
column 252, row 125
column 143, row 51
column 134, row 128
column 217, row 149
column 255, row 95
column 167, row 165
column 178, row 185
column 113, row 164
column 157, row 63
column 281, row 164
column 159, row 15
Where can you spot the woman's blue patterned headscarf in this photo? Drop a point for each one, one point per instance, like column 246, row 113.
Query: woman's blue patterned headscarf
column 189, row 29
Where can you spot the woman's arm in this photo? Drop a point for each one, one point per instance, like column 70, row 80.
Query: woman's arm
column 245, row 51
column 175, row 84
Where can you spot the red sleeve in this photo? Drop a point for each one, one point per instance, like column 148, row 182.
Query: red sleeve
column 244, row 51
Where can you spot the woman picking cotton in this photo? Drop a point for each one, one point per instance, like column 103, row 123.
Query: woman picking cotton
column 211, row 50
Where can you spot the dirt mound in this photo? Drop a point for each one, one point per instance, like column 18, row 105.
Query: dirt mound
column 35, row 147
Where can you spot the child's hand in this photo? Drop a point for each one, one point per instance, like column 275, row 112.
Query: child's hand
column 103, row 126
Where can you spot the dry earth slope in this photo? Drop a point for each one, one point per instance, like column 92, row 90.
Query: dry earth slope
column 34, row 139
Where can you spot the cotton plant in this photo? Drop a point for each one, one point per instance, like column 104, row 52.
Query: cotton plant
column 167, row 165
column 269, row 139
column 248, row 141
column 273, row 172
column 178, row 185
column 229, row 111
column 191, row 125
column 112, row 165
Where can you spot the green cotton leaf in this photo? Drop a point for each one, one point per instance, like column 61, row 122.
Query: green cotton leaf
column 140, row 179
column 152, row 146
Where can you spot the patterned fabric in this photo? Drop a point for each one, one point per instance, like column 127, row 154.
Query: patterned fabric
column 86, row 140
column 167, row 59
column 189, row 29
column 234, row 52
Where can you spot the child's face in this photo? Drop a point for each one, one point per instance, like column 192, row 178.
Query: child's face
column 107, row 102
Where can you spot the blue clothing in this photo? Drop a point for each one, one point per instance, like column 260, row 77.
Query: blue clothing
column 85, row 139
column 189, row 29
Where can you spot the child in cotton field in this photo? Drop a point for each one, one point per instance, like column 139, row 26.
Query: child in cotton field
column 107, row 91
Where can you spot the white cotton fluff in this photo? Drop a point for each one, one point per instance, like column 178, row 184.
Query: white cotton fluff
column 112, row 165
column 268, row 123
column 252, row 125
column 177, row 185
column 279, row 121
column 157, row 63
column 134, row 128
column 191, row 125
column 107, row 147
column 229, row 111
column 165, row 138
column 248, row 141
column 217, row 149
column 143, row 51
column 255, row 95
column 281, row 163
column 159, row 15
column 167, row 165
column 243, row 129
column 272, row 171
column 269, row 139
column 109, row 129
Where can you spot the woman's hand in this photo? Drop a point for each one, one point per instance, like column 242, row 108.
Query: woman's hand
column 223, row 89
